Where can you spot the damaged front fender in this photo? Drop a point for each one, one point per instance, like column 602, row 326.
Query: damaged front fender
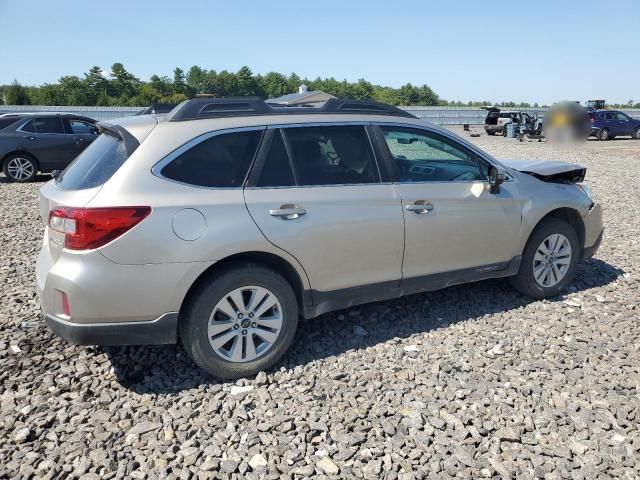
column 549, row 171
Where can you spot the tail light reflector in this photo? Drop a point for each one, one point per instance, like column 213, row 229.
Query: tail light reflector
column 66, row 309
column 88, row 228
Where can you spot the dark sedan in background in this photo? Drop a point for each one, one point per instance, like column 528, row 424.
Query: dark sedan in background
column 608, row 124
column 42, row 142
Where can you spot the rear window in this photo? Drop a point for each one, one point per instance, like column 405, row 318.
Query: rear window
column 95, row 165
column 221, row 161
column 5, row 122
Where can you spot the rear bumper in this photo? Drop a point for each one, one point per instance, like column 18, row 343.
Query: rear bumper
column 160, row 331
column 493, row 128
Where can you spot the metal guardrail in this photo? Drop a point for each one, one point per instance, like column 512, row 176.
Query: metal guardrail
column 438, row 115
column 97, row 113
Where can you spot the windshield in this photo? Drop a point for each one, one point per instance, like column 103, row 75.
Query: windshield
column 95, row 165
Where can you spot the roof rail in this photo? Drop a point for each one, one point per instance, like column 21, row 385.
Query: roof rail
column 201, row 108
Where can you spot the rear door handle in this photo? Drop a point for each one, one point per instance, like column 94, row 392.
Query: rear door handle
column 420, row 207
column 288, row 212
column 30, row 137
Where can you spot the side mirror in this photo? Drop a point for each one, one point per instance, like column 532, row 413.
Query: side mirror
column 56, row 173
column 497, row 177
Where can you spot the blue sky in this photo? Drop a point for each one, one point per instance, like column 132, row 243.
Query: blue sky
column 464, row 50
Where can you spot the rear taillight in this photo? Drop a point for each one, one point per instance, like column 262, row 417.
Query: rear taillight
column 88, row 228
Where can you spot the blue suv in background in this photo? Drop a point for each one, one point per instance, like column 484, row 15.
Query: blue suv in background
column 607, row 124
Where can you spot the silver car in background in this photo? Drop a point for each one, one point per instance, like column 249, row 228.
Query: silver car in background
column 222, row 222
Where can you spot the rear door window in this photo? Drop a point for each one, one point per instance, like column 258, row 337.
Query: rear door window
column 276, row 171
column 47, row 125
column 95, row 165
column 221, row 161
column 331, row 155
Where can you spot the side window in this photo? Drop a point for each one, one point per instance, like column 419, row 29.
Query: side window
column 48, row 125
column 622, row 116
column 421, row 156
column 609, row 116
column 276, row 171
column 79, row 127
column 219, row 161
column 28, row 127
column 331, row 155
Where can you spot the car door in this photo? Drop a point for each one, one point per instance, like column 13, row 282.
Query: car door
column 452, row 221
column 83, row 133
column 612, row 124
column 316, row 193
column 625, row 124
column 45, row 138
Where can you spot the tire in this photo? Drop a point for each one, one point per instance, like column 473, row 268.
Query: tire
column 603, row 134
column 491, row 133
column 525, row 282
column 504, row 131
column 636, row 133
column 202, row 313
column 20, row 168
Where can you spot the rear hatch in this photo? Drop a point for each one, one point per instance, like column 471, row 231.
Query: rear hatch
column 81, row 181
column 492, row 115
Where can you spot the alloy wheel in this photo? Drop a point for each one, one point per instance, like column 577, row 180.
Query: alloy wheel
column 20, row 168
column 245, row 324
column 552, row 260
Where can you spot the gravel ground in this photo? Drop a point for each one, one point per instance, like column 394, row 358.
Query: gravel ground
column 468, row 382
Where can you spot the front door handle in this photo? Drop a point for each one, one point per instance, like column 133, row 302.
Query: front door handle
column 288, row 212
column 420, row 207
column 30, row 137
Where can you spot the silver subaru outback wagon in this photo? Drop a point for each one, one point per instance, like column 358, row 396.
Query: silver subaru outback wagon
column 222, row 222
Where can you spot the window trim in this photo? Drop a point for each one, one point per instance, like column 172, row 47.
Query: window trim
column 261, row 157
column 391, row 165
column 157, row 168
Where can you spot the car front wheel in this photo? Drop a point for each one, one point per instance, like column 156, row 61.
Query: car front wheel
column 240, row 322
column 20, row 168
column 636, row 134
column 549, row 260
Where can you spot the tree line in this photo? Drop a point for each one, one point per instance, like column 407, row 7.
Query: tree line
column 119, row 87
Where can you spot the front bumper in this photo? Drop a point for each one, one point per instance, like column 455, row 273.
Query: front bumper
column 160, row 331
column 593, row 230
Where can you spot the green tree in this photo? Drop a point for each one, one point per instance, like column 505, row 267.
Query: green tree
column 197, row 80
column 96, row 85
column 123, row 85
column 179, row 82
column 16, row 94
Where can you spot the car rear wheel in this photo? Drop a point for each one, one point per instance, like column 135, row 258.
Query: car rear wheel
column 239, row 323
column 20, row 168
column 549, row 260
column 603, row 134
column 636, row 133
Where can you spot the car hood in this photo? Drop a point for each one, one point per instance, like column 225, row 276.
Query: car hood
column 549, row 170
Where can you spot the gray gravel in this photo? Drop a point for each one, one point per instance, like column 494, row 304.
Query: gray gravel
column 469, row 382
